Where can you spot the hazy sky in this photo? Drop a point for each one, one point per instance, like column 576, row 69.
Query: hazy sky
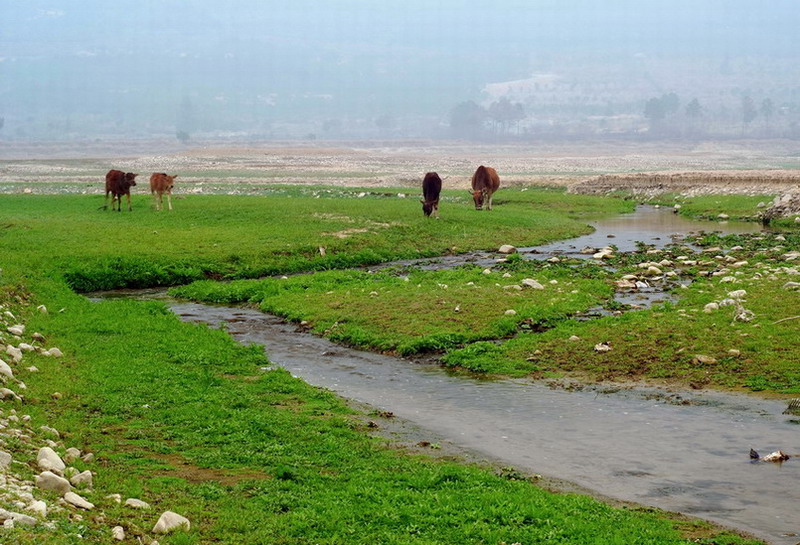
column 133, row 63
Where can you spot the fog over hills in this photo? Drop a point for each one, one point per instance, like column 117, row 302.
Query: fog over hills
column 358, row 68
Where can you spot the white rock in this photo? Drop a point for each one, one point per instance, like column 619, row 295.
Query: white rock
column 42, row 309
column 531, row 283
column 5, row 460
column 507, row 249
column 15, row 353
column 82, row 479
column 118, row 533
column 25, row 347
column 791, row 285
column 71, row 455
column 574, row 338
column 602, row 347
column 114, row 497
column 54, row 352
column 506, row 275
column 50, row 481
column 710, row 307
column 137, row 504
column 723, row 216
column 652, row 270
column 5, row 369
column 74, row 499
column 48, row 460
column 510, row 312
column 728, row 280
column 733, row 352
column 39, row 508
column 737, row 294
column 17, row 330
column 49, row 430
column 169, row 521
column 88, row 457
column 5, row 393
column 487, row 271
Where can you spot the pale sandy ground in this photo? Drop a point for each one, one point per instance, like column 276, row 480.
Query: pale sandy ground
column 221, row 166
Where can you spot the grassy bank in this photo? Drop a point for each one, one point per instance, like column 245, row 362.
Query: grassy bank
column 288, row 231
column 180, row 416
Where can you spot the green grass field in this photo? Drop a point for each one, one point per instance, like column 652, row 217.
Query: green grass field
column 182, row 417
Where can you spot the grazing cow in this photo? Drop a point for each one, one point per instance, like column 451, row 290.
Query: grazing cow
column 119, row 183
column 485, row 182
column 431, row 187
column 161, row 183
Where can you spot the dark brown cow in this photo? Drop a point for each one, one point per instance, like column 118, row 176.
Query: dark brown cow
column 160, row 184
column 431, row 187
column 485, row 182
column 119, row 183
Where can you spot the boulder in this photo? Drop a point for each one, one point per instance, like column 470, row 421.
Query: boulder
column 531, row 283
column 38, row 508
column 82, row 479
column 507, row 249
column 5, row 369
column 48, row 460
column 137, row 504
column 48, row 480
column 74, row 499
column 170, row 521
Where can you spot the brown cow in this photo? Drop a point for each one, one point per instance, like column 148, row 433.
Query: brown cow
column 119, row 183
column 161, row 183
column 431, row 187
column 485, row 182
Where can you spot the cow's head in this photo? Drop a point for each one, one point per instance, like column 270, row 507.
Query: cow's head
column 478, row 197
column 428, row 207
column 130, row 177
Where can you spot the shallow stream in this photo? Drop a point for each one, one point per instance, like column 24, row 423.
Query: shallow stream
column 684, row 452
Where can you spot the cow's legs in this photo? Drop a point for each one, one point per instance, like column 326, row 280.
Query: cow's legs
column 169, row 200
column 128, row 195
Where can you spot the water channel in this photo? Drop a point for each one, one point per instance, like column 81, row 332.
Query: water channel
column 686, row 453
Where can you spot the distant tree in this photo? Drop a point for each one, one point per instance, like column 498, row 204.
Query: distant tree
column 467, row 117
column 505, row 113
column 767, row 110
column 671, row 103
column 2, row 122
column 749, row 112
column 182, row 136
column 693, row 109
column 654, row 111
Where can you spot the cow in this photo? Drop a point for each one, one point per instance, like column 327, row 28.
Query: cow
column 119, row 183
column 161, row 183
column 431, row 187
column 485, row 182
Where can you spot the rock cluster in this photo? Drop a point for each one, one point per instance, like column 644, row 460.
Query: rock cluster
column 786, row 205
column 57, row 488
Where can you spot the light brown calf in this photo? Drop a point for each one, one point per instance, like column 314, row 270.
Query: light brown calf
column 160, row 184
